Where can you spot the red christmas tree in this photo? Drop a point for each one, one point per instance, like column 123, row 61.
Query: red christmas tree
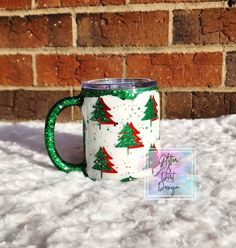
column 103, row 162
column 129, row 137
column 101, row 113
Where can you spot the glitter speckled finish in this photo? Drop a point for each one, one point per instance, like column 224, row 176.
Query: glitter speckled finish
column 50, row 137
column 119, row 125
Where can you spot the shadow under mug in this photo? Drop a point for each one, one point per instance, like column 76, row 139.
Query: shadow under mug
column 120, row 125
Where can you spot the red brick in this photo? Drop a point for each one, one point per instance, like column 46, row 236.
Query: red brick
column 18, row 105
column 230, row 69
column 79, row 2
column 48, row 3
column 15, row 4
column 123, row 29
column 77, row 110
column 61, row 70
column 16, row 70
column 171, row 1
column 36, row 31
column 115, row 2
column 177, row 69
column 33, row 105
column 209, row 105
column 178, row 105
column 73, row 3
column 199, row 104
column 206, row 26
column 6, row 105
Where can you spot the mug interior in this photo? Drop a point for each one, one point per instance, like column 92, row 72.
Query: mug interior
column 118, row 83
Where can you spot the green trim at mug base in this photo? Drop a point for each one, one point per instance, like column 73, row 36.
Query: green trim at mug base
column 124, row 180
column 128, row 179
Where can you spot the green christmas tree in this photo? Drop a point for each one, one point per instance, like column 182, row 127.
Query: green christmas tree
column 102, row 162
column 151, row 113
column 129, row 137
column 101, row 114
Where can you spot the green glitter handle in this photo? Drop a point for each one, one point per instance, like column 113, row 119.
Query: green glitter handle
column 50, row 134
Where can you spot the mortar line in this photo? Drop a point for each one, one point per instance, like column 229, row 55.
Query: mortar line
column 74, row 29
column 127, row 2
column 72, row 112
column 78, row 88
column 33, row 4
column 115, row 8
column 170, row 28
column 123, row 66
column 34, row 70
column 223, row 77
column 163, row 105
column 120, row 50
column 198, row 89
column 226, row 4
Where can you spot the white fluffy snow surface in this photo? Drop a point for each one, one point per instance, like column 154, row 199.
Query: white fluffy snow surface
column 41, row 206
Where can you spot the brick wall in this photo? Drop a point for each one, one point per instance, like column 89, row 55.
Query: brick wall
column 47, row 47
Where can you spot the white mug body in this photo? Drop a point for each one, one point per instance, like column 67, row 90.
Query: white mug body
column 120, row 127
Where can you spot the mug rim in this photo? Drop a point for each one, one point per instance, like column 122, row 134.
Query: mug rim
column 118, row 83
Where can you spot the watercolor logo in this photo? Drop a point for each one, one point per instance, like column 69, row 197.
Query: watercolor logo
column 173, row 174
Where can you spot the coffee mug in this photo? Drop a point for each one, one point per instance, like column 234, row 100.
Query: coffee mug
column 121, row 118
